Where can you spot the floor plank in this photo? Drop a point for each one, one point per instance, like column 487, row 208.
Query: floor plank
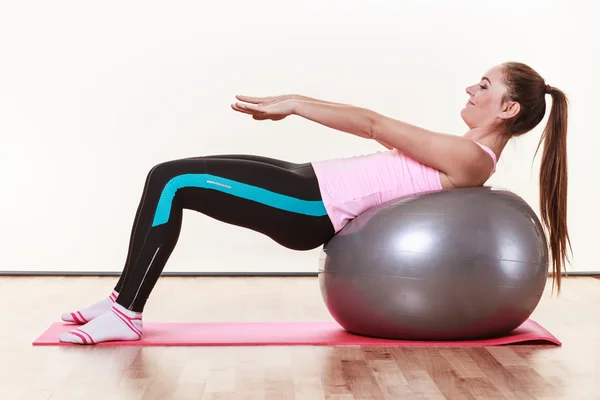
column 294, row 372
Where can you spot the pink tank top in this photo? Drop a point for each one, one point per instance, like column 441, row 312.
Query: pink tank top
column 350, row 186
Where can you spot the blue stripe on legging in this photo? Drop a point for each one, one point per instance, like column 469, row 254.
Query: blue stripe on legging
column 254, row 193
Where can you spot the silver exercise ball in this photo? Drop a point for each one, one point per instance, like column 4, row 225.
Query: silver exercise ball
column 456, row 264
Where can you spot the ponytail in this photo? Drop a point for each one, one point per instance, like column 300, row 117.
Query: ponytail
column 553, row 182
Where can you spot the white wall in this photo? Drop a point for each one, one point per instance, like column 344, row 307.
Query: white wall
column 95, row 93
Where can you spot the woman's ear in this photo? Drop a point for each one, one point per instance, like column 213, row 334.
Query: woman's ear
column 510, row 110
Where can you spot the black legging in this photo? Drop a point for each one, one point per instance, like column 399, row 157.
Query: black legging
column 274, row 197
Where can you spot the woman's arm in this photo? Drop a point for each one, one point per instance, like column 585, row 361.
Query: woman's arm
column 306, row 98
column 456, row 156
column 310, row 99
column 354, row 120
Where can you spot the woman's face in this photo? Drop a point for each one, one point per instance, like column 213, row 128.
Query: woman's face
column 486, row 105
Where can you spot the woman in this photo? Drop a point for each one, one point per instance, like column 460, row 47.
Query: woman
column 301, row 206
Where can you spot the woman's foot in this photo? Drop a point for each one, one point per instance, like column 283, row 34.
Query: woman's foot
column 87, row 314
column 118, row 323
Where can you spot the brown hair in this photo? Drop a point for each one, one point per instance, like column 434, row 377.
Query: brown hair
column 528, row 88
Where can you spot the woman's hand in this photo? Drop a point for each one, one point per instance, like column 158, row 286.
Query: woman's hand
column 261, row 108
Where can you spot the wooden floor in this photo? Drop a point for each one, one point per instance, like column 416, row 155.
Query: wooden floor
column 30, row 305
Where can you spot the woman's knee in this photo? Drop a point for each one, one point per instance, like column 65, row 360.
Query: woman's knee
column 164, row 171
column 167, row 173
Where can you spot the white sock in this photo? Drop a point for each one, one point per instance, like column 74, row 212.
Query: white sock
column 87, row 314
column 118, row 323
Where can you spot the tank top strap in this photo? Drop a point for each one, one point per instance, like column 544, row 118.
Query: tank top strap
column 491, row 153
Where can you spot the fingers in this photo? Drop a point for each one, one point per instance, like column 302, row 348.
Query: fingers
column 238, row 109
column 244, row 108
column 258, row 112
column 254, row 100
column 256, row 115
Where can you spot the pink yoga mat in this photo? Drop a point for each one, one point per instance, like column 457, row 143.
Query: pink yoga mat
column 284, row 334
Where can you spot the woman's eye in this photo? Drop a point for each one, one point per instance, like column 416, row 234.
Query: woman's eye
column 481, row 86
